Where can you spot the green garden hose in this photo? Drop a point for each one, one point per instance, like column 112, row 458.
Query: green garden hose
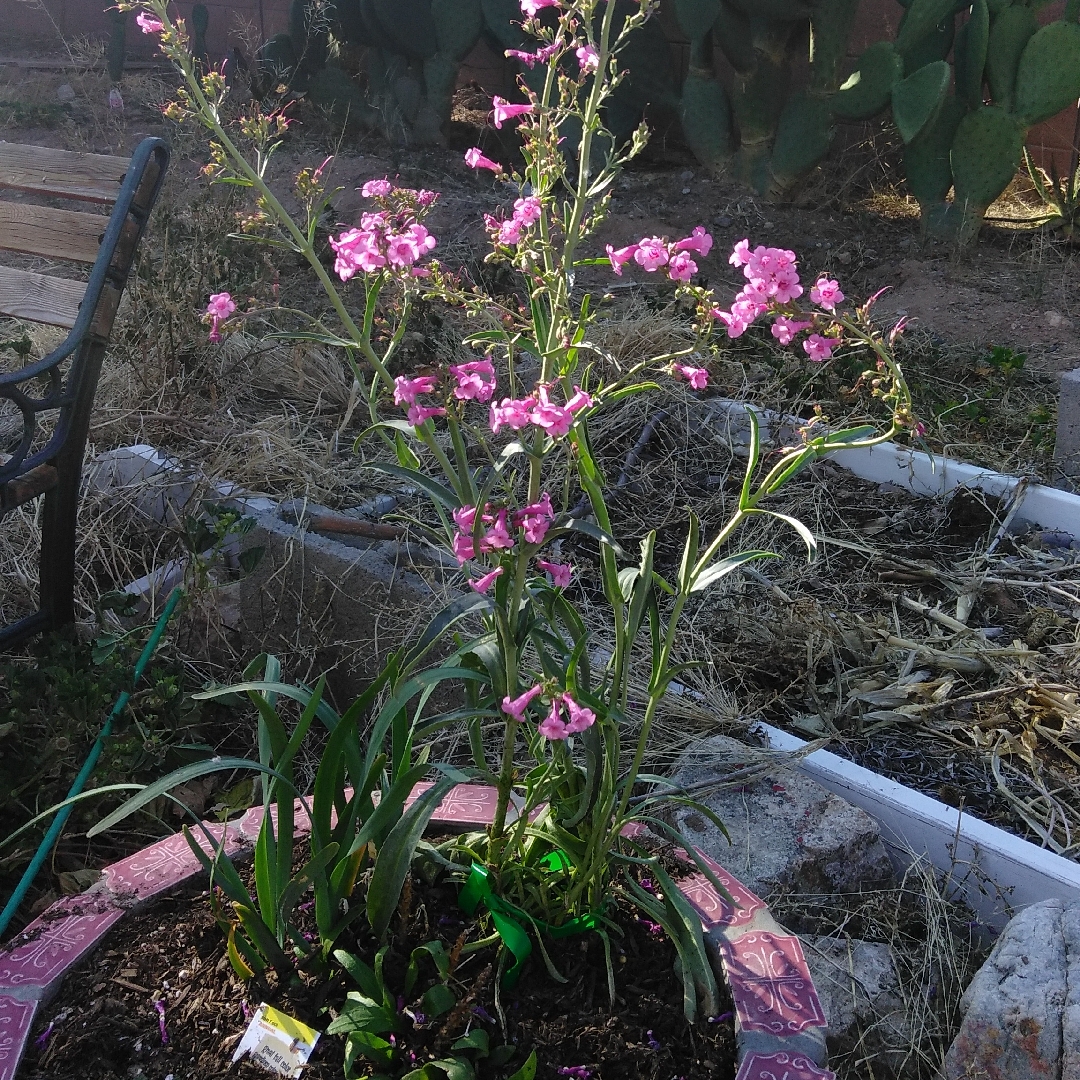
column 62, row 815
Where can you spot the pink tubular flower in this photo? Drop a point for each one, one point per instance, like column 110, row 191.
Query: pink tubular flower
column 221, row 306
column 819, row 348
column 681, row 267
column 148, row 23
column 476, row 380
column 527, row 210
column 504, row 110
column 651, row 253
column 535, row 519
column 513, row 414
column 826, row 293
column 406, row 389
column 357, row 249
column 555, row 727
column 541, row 56
column 556, row 419
column 405, row 248
column 697, row 377
column 482, row 584
column 426, row 198
column 620, row 257
column 699, row 240
column 529, row 8
column 785, row 329
column 516, row 707
column 420, row 414
column 376, row 188
column 560, row 572
column 498, row 536
column 588, row 58
column 740, row 253
column 509, row 232
column 474, row 158
column 462, row 545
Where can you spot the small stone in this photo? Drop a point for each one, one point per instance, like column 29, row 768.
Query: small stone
column 65, row 92
column 686, row 174
column 1056, row 320
column 767, row 225
column 843, row 257
column 722, row 221
column 686, row 191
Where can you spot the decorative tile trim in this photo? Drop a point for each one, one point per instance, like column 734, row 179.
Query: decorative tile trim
column 15, row 1019
column 781, row 1066
column 777, row 1007
column 771, row 984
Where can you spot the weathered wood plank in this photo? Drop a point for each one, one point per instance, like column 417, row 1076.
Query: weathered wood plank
column 26, row 487
column 93, row 177
column 39, row 298
column 56, row 234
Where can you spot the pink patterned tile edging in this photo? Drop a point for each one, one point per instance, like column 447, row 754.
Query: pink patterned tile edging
column 774, row 996
column 781, row 1066
column 15, row 1020
column 771, row 984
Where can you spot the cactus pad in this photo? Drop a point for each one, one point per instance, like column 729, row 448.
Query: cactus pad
column 985, row 155
column 778, row 10
column 970, row 54
column 458, row 25
column 927, row 158
column 696, row 16
column 1048, row 76
column 706, row 119
column 830, row 25
column 802, row 139
column 408, row 24
column 869, row 88
column 917, row 99
column 503, row 19
column 1009, row 33
column 117, row 47
column 920, row 20
column 735, row 37
column 935, row 45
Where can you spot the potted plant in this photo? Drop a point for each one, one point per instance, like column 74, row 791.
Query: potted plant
column 500, row 443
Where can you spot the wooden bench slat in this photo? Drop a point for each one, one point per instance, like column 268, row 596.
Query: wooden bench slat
column 40, row 298
column 92, row 177
column 56, row 234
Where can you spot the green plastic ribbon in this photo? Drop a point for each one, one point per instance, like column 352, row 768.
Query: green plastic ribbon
column 508, row 918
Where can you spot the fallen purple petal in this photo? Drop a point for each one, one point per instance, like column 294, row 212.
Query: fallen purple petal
column 160, row 1006
column 43, row 1038
column 721, row 1018
column 653, row 1042
column 579, row 1072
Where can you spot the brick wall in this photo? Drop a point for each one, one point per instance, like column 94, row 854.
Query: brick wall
column 26, row 27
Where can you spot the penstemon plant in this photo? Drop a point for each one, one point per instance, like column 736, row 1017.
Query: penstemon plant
column 513, row 469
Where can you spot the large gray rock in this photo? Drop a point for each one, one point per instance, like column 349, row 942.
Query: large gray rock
column 860, row 994
column 1022, row 1009
column 787, row 832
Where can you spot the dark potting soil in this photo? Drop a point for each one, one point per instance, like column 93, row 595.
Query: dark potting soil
column 105, row 1024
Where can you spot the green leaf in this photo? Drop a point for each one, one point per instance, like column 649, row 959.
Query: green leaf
column 590, row 529
column 440, row 493
column 361, row 1013
column 711, row 574
column 370, row 1046
column 180, row 776
column 361, row 974
column 395, row 855
column 472, row 604
column 807, row 536
column 627, row 576
column 527, row 1071
column 438, row 1000
column 477, row 1039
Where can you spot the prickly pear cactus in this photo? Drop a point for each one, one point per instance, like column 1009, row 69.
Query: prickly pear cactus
column 917, row 99
column 970, row 55
column 927, row 158
column 117, row 47
column 869, row 87
column 1048, row 75
column 988, row 144
column 1010, row 32
column 200, row 21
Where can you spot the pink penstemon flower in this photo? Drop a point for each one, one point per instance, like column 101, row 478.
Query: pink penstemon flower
column 149, row 24
column 376, row 188
column 535, row 519
column 406, row 389
column 529, row 8
column 697, row 377
column 498, row 537
column 819, row 348
column 527, row 210
column 785, row 329
column 474, row 158
column 558, row 725
column 531, row 59
column 221, row 306
column 826, row 294
column 681, row 267
column 504, row 110
column 619, row 258
column 560, row 572
column 557, row 419
column 419, row 414
column 699, row 240
column 514, row 414
column 476, row 380
column 651, row 253
column 482, row 584
column 588, row 58
column 516, row 707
